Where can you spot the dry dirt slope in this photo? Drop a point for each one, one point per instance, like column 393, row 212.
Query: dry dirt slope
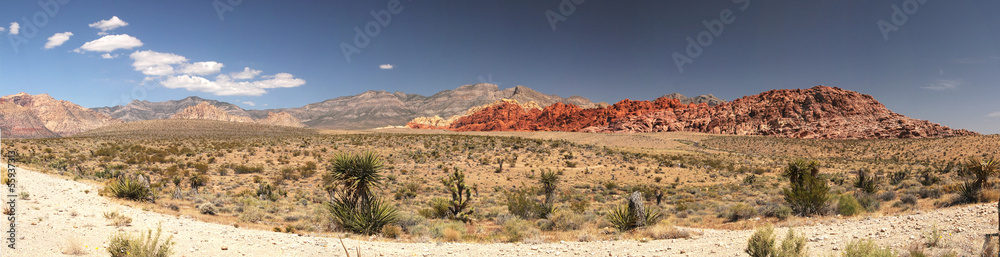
column 47, row 220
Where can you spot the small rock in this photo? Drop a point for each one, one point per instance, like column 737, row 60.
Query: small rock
column 225, row 248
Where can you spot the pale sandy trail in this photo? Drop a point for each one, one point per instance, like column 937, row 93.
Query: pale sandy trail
column 54, row 199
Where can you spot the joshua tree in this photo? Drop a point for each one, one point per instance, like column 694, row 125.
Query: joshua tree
column 461, row 196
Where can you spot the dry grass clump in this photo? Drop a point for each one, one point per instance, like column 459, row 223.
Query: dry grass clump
column 73, row 246
column 664, row 230
column 142, row 245
column 117, row 219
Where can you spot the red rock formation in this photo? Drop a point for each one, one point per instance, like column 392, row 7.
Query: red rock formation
column 818, row 112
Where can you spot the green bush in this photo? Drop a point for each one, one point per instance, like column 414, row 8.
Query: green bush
column 521, row 204
column 762, row 244
column 776, row 211
column 807, row 191
column 740, row 211
column 438, row 209
column 142, row 245
column 870, row 202
column 847, row 205
column 866, row 248
column 516, row 229
column 866, row 181
column 566, row 220
column 132, row 187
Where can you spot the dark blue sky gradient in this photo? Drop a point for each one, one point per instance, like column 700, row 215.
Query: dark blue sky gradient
column 605, row 50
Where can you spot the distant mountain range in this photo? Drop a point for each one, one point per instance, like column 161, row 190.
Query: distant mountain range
column 819, row 112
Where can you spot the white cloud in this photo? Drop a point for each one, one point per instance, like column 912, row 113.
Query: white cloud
column 944, row 84
column 202, row 68
column 15, row 28
column 155, row 63
column 224, row 85
column 247, row 73
column 2, row 29
column 386, row 66
column 109, row 24
column 250, row 103
column 58, row 39
column 994, row 114
column 109, row 56
column 110, row 43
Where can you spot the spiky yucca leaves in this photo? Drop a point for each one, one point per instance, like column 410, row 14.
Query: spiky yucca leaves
column 133, row 187
column 367, row 218
column 358, row 174
column 357, row 208
column 144, row 245
column 461, row 196
column 807, row 192
column 866, row 181
column 630, row 215
column 983, row 170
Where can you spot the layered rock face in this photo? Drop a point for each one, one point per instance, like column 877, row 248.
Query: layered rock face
column 281, row 119
column 146, row 110
column 437, row 122
column 36, row 116
column 818, row 112
column 206, row 111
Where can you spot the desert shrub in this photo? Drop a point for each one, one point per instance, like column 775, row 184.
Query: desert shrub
column 847, row 205
column 132, row 187
column 244, row 169
column 367, row 218
column 392, row 231
column 408, row 221
column 438, row 209
column 866, row 248
column 870, row 202
column 579, row 205
column 142, row 245
column 887, row 195
column 117, row 219
column 544, row 224
column 516, row 229
column 207, row 208
column 740, row 211
column 908, row 199
column 807, row 192
column 566, row 220
column 927, row 178
column 776, row 211
column 73, row 246
column 897, row 177
column 521, row 204
column 762, row 244
column 252, row 214
column 866, row 181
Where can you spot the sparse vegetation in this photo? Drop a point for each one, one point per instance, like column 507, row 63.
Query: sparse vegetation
column 866, row 248
column 807, row 192
column 763, row 244
column 142, row 245
column 357, row 208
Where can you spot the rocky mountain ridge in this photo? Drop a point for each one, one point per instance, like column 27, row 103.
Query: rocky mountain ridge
column 39, row 116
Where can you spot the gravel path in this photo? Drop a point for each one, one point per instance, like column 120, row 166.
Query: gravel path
column 58, row 209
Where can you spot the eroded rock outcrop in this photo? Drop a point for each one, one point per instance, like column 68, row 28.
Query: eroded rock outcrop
column 281, row 119
column 205, row 111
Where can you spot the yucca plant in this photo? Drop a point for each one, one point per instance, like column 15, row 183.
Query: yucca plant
column 632, row 214
column 367, row 218
column 866, row 181
column 461, row 196
column 133, row 187
column 356, row 207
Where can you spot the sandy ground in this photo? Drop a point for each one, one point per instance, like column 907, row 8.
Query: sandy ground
column 58, row 210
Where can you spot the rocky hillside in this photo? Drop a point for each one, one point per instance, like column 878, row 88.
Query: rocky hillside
column 437, row 122
column 206, row 111
column 281, row 119
column 818, row 112
column 146, row 110
column 374, row 109
column 37, row 116
column 708, row 99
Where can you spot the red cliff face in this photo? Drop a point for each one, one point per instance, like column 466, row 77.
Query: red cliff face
column 818, row 112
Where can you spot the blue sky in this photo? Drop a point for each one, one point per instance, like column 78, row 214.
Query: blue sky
column 941, row 63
